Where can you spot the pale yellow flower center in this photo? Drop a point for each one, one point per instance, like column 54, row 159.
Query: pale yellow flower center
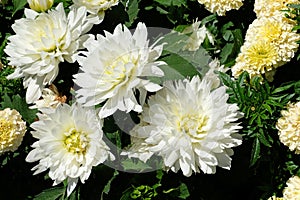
column 6, row 128
column 193, row 125
column 117, row 72
column 76, row 141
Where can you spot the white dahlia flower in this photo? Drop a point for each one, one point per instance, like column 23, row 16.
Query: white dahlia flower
column 221, row 6
column 189, row 125
column 12, row 130
column 41, row 42
column 70, row 142
column 115, row 66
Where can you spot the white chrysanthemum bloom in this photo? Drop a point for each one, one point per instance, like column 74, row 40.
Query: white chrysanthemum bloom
column 115, row 66
column 190, row 125
column 70, row 142
column 267, row 8
column 197, row 36
column 40, row 5
column 292, row 191
column 221, row 6
column 50, row 99
column 41, row 42
column 12, row 130
column 96, row 7
column 288, row 127
column 269, row 43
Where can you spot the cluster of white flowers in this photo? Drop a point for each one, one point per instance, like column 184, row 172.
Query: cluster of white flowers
column 270, row 41
column 188, row 123
column 221, row 6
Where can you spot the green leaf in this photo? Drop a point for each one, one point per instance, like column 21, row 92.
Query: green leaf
column 255, row 153
column 168, row 3
column 179, row 64
column 132, row 10
column 262, row 138
column 283, row 88
column 106, row 188
column 18, row 5
column 135, row 165
column 184, row 191
column 226, row 52
column 52, row 193
column 21, row 106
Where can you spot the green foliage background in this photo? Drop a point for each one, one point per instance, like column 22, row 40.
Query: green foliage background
column 260, row 166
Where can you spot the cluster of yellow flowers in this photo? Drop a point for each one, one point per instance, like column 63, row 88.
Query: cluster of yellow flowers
column 270, row 41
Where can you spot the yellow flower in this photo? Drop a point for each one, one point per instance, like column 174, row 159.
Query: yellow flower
column 270, row 42
column 289, row 127
column 40, row 5
column 12, row 130
column 275, row 198
column 292, row 191
column 221, row 6
column 256, row 58
column 267, row 8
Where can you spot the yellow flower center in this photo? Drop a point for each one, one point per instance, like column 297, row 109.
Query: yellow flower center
column 193, row 125
column 6, row 128
column 262, row 55
column 119, row 70
column 76, row 141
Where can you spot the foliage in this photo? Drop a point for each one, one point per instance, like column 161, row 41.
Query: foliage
column 260, row 166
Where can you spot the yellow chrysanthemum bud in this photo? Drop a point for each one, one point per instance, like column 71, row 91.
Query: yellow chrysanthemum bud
column 40, row 5
column 12, row 130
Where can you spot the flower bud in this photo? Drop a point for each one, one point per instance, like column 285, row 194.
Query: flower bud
column 40, row 5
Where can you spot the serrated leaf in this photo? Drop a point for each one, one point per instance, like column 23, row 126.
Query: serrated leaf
column 255, row 153
column 18, row 5
column 52, row 193
column 226, row 79
column 132, row 10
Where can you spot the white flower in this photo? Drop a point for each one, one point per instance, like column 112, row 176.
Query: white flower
column 69, row 144
column 189, row 125
column 114, row 67
column 197, row 36
column 96, row 7
column 50, row 99
column 12, row 130
column 40, row 5
column 292, row 191
column 41, row 42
